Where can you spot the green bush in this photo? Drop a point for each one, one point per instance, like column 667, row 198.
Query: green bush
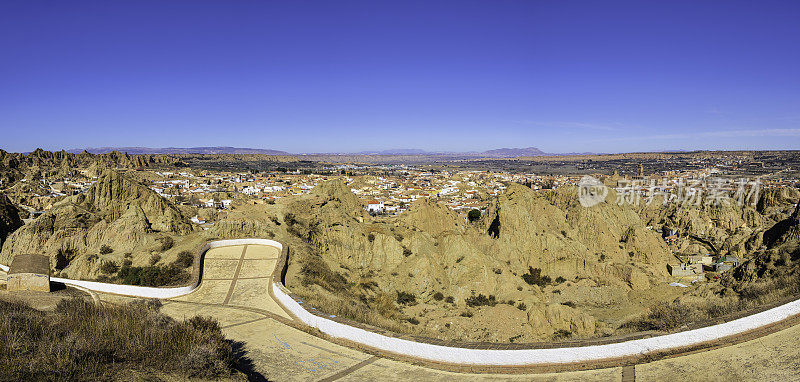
column 438, row 296
column 153, row 275
column 481, row 300
column 474, row 215
column 535, row 277
column 108, row 267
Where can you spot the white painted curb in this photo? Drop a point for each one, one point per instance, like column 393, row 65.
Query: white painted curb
column 454, row 355
column 520, row 357
column 154, row 292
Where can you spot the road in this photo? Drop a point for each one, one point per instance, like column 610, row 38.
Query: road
column 235, row 291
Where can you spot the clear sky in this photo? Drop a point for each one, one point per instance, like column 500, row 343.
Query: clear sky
column 325, row 76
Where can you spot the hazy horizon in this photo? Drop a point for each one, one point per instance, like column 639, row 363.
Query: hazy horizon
column 446, row 76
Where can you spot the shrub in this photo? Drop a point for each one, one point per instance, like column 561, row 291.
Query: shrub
column 406, row 298
column 413, row 321
column 560, row 280
column 474, row 215
column 153, row 275
column 535, row 277
column 466, row 313
column 521, row 306
column 108, row 267
column 155, row 258
column 105, row 249
column 438, row 296
column 450, row 300
column 406, row 252
column 185, row 259
column 166, row 243
column 481, row 300
column 562, row 334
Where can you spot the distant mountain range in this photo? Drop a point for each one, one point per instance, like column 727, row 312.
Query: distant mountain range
column 510, row 153
column 180, row 150
column 496, row 153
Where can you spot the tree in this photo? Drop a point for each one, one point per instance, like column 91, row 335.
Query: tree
column 473, row 215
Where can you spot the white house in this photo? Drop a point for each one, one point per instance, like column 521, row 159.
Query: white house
column 375, row 206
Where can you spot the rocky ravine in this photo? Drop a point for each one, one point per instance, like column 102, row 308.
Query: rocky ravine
column 9, row 218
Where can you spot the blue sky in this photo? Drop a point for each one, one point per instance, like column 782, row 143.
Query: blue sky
column 324, row 76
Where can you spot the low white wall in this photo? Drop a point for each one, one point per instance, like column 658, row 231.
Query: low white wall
column 153, row 292
column 460, row 355
column 534, row 356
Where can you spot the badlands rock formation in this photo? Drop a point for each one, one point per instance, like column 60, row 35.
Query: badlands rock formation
column 432, row 253
column 116, row 211
column 16, row 166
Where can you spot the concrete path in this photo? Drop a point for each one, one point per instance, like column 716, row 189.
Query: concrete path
column 235, row 290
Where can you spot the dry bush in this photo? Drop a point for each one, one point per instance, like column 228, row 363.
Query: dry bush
column 82, row 341
column 154, row 259
column 185, row 259
column 358, row 311
column 663, row 317
column 166, row 243
column 316, row 271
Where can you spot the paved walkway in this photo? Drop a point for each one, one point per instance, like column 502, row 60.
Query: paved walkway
column 235, row 290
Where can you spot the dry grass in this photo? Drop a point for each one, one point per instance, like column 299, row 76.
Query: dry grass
column 750, row 296
column 82, row 341
column 359, row 311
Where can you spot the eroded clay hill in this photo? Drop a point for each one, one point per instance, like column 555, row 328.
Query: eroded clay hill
column 116, row 211
column 726, row 228
column 536, row 265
